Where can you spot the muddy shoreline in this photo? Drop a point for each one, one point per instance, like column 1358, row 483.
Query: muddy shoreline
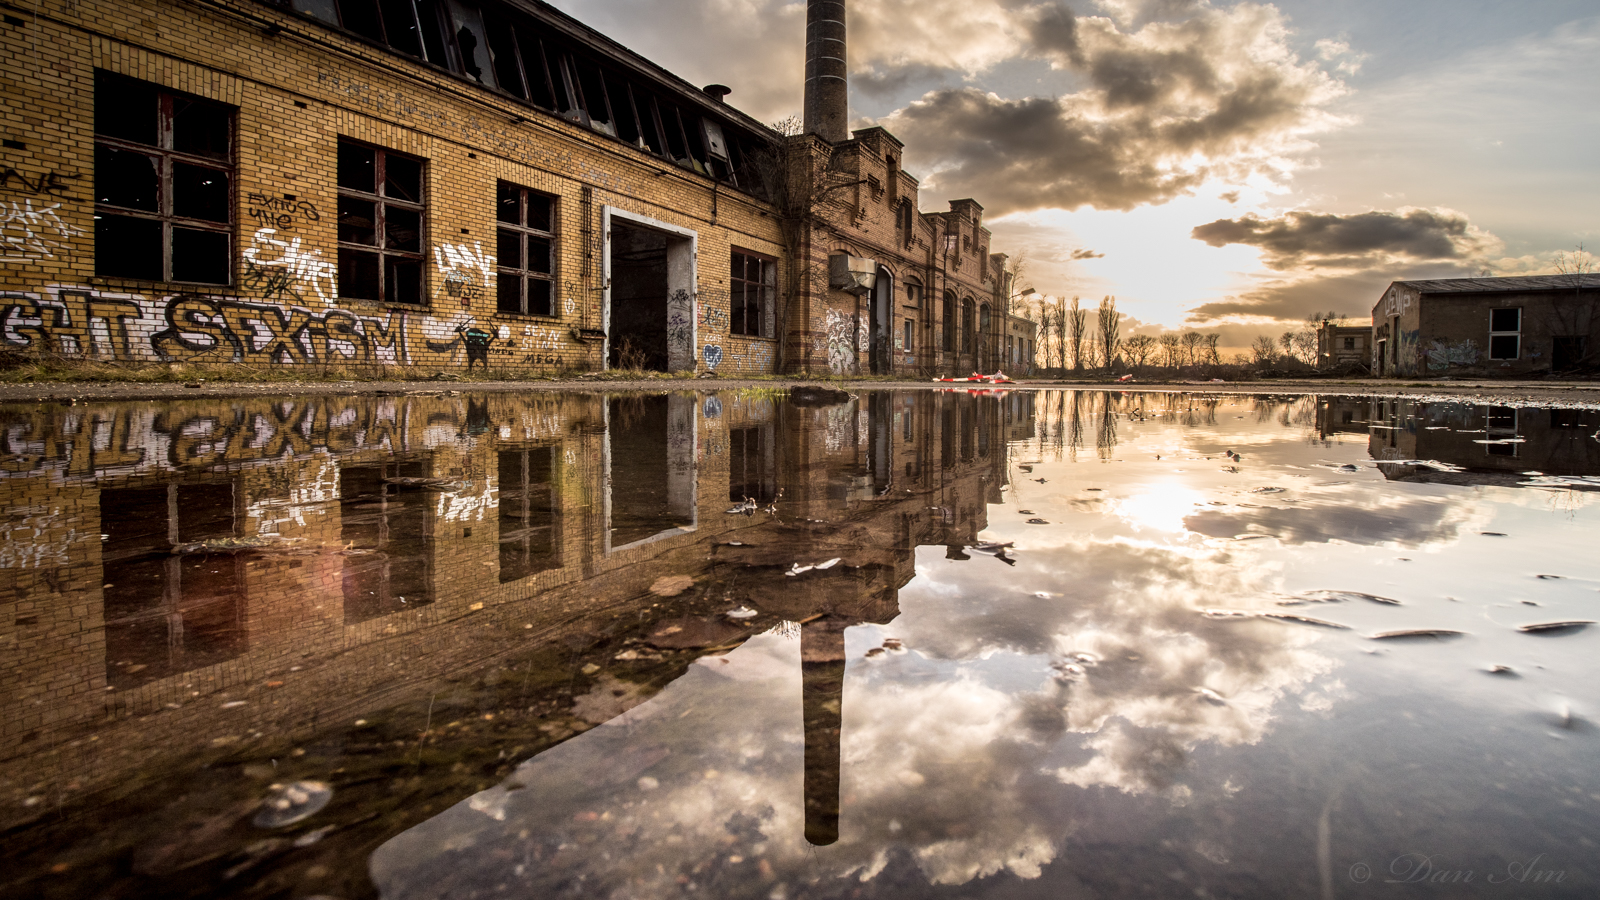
column 1586, row 393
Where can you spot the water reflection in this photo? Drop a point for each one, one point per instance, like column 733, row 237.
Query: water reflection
column 499, row 628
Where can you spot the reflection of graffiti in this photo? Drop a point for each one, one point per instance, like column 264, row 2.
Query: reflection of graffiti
column 466, row 272
column 1442, row 356
column 47, row 183
column 28, row 234
column 680, row 330
column 841, row 343
column 712, row 355
column 280, row 212
column 712, row 408
column 279, row 269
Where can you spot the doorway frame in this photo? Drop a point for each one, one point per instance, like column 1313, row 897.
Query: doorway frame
column 683, row 263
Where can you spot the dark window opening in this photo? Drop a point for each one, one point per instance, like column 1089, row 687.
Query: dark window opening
column 508, row 66
column 1505, row 319
column 526, row 242
column 1567, row 352
column 1566, row 418
column 752, row 469
column 752, row 287
column 1504, row 346
column 530, row 534
column 386, row 517
column 381, row 224
column 163, row 184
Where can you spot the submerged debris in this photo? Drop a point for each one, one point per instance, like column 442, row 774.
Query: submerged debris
column 1037, row 522
column 1416, row 633
column 1336, row 597
column 1503, row 670
column 798, row 569
column 671, row 585
column 291, row 803
column 742, row 612
column 1571, row 627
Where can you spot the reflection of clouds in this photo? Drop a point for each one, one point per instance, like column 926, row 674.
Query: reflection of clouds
column 1408, row 519
column 958, row 758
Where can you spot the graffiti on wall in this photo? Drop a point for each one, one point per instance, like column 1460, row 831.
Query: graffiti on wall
column 48, row 184
column 1397, row 302
column 713, row 319
column 680, row 330
column 1410, row 352
column 712, row 354
column 839, row 342
column 79, row 321
column 753, row 357
column 1442, row 355
column 28, row 234
column 279, row 213
column 465, row 273
column 286, row 270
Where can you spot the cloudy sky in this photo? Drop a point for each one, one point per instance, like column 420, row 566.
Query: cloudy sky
column 1211, row 164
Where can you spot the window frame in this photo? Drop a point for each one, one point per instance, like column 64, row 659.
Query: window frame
column 740, row 289
column 382, row 202
column 1515, row 335
column 166, row 155
column 525, row 232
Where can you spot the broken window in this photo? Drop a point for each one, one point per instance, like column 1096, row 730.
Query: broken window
column 1505, row 333
column 752, row 287
column 381, row 220
column 527, row 251
column 530, row 531
column 163, row 181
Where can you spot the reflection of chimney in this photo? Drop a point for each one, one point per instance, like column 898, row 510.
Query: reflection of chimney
column 827, row 105
column 822, row 702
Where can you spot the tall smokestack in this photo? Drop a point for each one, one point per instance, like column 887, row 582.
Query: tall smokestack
column 827, row 106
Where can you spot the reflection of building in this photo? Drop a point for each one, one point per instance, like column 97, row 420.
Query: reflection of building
column 1487, row 326
column 270, row 566
column 417, row 183
column 1476, row 444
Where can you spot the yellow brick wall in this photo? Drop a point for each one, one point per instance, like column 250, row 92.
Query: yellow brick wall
column 297, row 93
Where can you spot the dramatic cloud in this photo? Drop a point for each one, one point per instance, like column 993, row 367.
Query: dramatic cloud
column 1086, row 253
column 1162, row 108
column 1299, row 239
column 1343, row 262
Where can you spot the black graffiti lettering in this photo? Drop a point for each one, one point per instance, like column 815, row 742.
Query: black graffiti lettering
column 282, row 213
column 47, row 183
column 274, row 282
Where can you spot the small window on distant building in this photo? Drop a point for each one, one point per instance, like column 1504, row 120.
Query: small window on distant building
column 380, row 224
column 526, row 245
column 1350, row 343
column 908, row 338
column 1505, row 333
column 752, row 287
column 163, row 184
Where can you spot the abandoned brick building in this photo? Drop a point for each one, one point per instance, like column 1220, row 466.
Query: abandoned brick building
column 1525, row 325
column 450, row 183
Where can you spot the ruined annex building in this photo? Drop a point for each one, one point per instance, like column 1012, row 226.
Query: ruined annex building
column 455, row 183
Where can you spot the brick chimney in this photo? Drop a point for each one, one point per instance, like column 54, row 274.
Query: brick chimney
column 827, row 104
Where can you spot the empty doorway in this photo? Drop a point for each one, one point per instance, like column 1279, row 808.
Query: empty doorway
column 649, row 294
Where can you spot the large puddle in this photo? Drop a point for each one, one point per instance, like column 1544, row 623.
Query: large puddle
column 749, row 644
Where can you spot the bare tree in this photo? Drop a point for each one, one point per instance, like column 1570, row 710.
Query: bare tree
column 1140, row 348
column 1192, row 342
column 1171, row 349
column 1212, row 356
column 1077, row 321
column 1264, row 350
column 1109, row 343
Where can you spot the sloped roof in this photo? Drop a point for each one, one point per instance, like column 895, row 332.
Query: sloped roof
column 1520, row 283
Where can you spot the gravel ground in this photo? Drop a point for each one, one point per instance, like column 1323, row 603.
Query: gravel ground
column 1560, row 393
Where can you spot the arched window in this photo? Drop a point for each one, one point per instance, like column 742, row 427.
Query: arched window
column 966, row 325
column 949, row 321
